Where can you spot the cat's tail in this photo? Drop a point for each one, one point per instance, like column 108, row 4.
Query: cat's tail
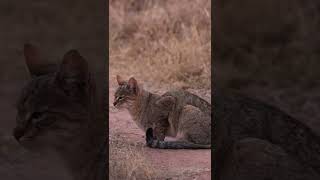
column 153, row 143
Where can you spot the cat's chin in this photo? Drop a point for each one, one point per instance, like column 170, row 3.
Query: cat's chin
column 121, row 107
column 36, row 145
column 30, row 142
column 27, row 140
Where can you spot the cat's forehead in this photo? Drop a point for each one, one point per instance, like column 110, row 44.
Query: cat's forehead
column 123, row 90
column 37, row 85
column 35, row 90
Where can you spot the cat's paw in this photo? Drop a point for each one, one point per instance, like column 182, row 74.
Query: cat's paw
column 149, row 137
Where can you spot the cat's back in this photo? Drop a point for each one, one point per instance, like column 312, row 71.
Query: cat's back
column 237, row 116
column 184, row 97
column 243, row 116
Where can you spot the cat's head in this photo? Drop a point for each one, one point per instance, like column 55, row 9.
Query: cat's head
column 54, row 104
column 126, row 93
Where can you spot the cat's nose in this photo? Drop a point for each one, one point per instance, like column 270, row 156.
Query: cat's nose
column 18, row 133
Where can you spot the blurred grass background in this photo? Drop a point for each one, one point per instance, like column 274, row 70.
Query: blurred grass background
column 269, row 49
column 162, row 42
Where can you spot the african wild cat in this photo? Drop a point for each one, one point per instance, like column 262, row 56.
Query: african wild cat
column 57, row 112
column 175, row 113
column 253, row 140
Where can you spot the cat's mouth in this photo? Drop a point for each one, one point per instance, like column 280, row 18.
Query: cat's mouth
column 115, row 104
column 18, row 133
column 21, row 134
column 118, row 105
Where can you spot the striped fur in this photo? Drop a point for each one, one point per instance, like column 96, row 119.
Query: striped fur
column 56, row 111
column 175, row 114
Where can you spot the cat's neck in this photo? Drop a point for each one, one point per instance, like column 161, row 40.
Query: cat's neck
column 89, row 145
column 84, row 155
column 142, row 102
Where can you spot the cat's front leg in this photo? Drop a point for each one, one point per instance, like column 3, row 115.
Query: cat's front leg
column 159, row 133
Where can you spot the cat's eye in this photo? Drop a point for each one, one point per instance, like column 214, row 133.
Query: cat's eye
column 39, row 122
column 45, row 123
column 36, row 115
column 120, row 98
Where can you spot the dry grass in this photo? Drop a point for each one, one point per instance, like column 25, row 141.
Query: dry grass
column 163, row 42
column 269, row 49
column 127, row 161
column 266, row 42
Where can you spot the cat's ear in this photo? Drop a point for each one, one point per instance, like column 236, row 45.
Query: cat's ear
column 73, row 73
column 166, row 102
column 35, row 65
column 73, row 67
column 31, row 55
column 133, row 84
column 120, row 80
